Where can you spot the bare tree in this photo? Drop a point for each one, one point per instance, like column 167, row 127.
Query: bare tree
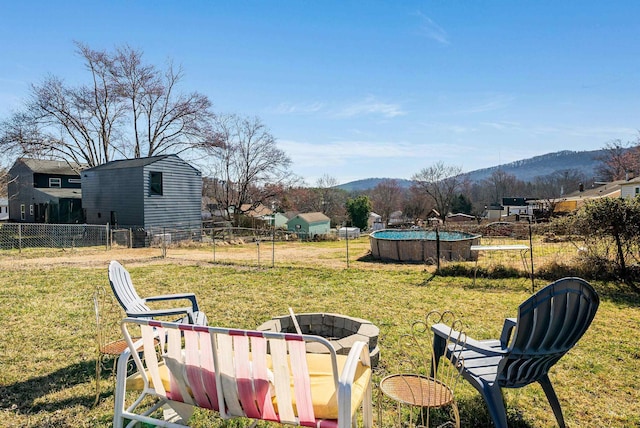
column 500, row 184
column 440, row 183
column 620, row 159
column 386, row 198
column 248, row 166
column 128, row 109
column 301, row 199
column 326, row 182
column 164, row 121
column 416, row 205
column 332, row 198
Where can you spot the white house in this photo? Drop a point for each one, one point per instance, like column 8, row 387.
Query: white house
column 375, row 221
column 630, row 189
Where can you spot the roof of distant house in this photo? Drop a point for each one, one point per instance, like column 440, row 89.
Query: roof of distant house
column 45, row 166
column 257, row 211
column 611, row 189
column 632, row 181
column 60, row 193
column 291, row 214
column 314, row 217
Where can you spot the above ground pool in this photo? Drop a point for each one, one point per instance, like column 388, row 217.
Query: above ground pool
column 422, row 245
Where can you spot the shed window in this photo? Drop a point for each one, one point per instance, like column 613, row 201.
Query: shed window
column 155, row 184
column 22, row 212
column 55, row 182
column 637, row 190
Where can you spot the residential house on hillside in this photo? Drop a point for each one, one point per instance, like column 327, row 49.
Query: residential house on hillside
column 517, row 206
column 309, row 225
column 256, row 217
column 145, row 193
column 44, row 191
column 572, row 201
column 630, row 188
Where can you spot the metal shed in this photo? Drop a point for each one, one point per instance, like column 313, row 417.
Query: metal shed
column 158, row 191
column 310, row 225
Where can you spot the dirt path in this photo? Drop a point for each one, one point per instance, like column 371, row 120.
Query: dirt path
column 248, row 254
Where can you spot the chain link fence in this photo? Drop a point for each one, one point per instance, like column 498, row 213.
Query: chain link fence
column 18, row 236
column 502, row 243
column 507, row 247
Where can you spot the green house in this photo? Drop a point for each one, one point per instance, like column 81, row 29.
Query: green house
column 309, row 225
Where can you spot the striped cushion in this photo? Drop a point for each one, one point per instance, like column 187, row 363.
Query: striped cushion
column 323, row 390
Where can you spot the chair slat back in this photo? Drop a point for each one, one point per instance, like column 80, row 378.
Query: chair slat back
column 549, row 324
column 123, row 289
column 236, row 372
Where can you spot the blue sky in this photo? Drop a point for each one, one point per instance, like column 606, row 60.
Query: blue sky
column 359, row 89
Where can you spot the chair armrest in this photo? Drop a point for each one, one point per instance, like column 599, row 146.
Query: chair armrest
column 162, row 312
column 445, row 334
column 359, row 353
column 188, row 296
column 507, row 328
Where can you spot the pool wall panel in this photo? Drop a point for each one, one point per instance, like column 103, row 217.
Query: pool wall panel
column 423, row 250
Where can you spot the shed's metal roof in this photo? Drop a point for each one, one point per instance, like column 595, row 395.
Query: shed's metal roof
column 129, row 163
column 314, row 217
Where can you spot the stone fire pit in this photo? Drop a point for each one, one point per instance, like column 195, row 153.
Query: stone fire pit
column 342, row 331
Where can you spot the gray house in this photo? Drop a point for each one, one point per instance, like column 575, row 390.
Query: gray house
column 44, row 191
column 158, row 191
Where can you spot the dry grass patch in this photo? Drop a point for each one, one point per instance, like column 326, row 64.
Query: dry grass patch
column 48, row 346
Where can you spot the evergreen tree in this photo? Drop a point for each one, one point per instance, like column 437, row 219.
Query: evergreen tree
column 358, row 210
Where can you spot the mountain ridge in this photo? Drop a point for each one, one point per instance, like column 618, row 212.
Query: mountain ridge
column 586, row 162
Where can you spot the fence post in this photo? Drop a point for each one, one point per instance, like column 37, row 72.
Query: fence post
column 213, row 238
column 258, row 245
column 164, row 242
column 346, row 235
column 533, row 283
column 107, row 237
column 437, row 250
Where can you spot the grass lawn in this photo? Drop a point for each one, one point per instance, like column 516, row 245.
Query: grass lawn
column 47, row 346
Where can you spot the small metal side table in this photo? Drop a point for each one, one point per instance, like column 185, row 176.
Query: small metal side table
column 419, row 391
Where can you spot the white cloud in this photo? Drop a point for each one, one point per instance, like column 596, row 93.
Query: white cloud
column 502, row 126
column 313, row 155
column 496, row 102
column 432, row 30
column 370, row 106
column 604, row 133
column 290, row 108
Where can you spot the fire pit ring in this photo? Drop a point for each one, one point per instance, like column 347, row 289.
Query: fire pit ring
column 341, row 331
